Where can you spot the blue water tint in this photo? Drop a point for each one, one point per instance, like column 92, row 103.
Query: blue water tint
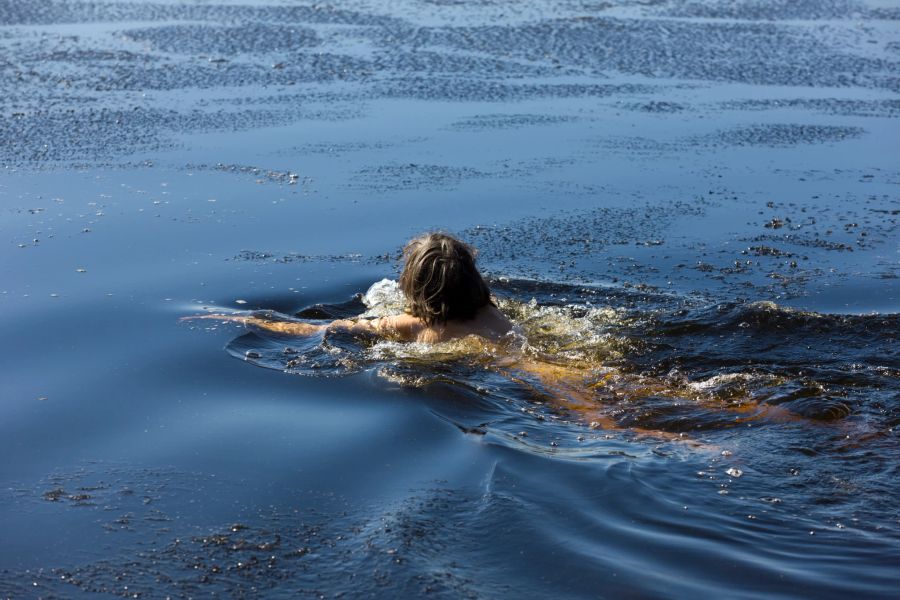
column 689, row 208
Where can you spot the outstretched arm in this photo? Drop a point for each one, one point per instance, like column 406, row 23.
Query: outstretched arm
column 382, row 326
column 288, row 327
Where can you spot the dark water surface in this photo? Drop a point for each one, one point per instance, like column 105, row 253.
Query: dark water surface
column 690, row 208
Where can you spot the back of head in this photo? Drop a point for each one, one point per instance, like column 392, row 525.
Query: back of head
column 440, row 281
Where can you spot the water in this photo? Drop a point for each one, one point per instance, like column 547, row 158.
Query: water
column 690, row 209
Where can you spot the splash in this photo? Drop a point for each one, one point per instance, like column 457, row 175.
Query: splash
column 683, row 370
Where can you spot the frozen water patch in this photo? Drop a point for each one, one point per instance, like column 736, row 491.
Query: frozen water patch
column 509, row 121
column 250, row 38
column 413, row 176
column 782, row 135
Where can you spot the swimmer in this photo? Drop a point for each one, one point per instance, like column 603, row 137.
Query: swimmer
column 446, row 298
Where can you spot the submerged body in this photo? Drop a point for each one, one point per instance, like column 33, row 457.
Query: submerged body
column 443, row 298
column 587, row 391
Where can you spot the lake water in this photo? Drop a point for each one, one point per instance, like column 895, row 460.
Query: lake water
column 689, row 208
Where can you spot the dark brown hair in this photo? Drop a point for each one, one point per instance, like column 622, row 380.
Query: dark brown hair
column 440, row 281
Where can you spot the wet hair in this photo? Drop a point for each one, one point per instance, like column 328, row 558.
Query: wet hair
column 440, row 281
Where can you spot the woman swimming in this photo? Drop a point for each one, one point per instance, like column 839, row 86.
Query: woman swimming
column 446, row 298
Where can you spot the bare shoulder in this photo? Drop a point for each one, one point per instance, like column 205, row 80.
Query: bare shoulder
column 488, row 323
column 406, row 327
column 493, row 322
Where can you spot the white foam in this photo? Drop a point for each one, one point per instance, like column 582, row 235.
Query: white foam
column 382, row 299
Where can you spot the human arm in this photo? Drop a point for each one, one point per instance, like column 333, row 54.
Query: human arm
column 402, row 326
column 297, row 328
